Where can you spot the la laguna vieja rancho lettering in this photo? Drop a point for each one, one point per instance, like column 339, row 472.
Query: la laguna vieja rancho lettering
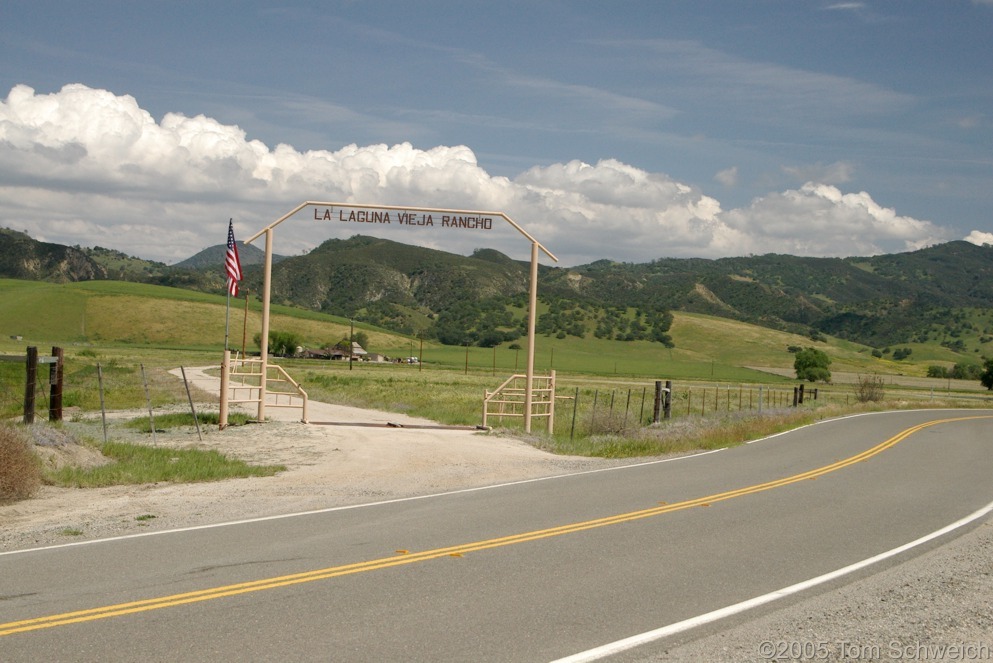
column 404, row 218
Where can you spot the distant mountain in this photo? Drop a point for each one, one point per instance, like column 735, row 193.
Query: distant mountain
column 213, row 257
column 880, row 300
column 394, row 285
column 122, row 267
column 24, row 258
column 938, row 294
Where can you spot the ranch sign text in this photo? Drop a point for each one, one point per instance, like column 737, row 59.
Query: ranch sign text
column 403, row 218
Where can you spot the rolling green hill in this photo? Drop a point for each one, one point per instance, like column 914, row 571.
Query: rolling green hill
column 22, row 257
column 141, row 316
column 939, row 296
column 115, row 312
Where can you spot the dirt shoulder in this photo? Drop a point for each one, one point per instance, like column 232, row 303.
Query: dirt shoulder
column 359, row 459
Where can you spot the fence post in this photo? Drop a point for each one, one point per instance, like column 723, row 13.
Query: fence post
column 796, row 396
column 189, row 397
column 575, row 406
column 103, row 406
column 30, row 383
column 667, row 400
column 148, row 401
column 657, row 408
column 801, row 394
column 55, row 373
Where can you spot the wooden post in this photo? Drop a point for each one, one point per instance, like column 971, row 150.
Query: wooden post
column 657, row 408
column 55, row 372
column 667, row 402
column 532, row 318
column 267, row 278
column 30, row 384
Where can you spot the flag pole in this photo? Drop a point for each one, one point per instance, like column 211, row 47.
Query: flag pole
column 232, row 268
column 227, row 321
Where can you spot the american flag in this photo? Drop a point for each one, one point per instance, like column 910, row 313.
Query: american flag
column 232, row 264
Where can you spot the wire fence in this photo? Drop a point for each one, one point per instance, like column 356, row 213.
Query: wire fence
column 594, row 411
column 122, row 386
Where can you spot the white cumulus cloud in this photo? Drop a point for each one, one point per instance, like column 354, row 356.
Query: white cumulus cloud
column 979, row 238
column 728, row 176
column 820, row 220
column 90, row 167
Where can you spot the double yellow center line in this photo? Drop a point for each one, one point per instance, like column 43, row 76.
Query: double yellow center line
column 402, row 557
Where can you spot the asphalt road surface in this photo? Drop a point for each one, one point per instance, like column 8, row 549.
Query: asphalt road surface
column 533, row 571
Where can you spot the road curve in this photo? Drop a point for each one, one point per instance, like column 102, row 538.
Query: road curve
column 533, row 571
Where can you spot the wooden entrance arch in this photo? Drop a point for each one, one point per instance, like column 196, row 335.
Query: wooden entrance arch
column 404, row 215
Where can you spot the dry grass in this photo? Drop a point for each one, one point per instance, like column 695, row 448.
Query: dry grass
column 695, row 432
column 20, row 471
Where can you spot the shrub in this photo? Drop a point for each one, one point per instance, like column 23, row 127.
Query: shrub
column 20, row 472
column 812, row 365
column 868, row 388
column 986, row 377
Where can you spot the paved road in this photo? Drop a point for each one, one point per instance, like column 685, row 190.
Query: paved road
column 527, row 572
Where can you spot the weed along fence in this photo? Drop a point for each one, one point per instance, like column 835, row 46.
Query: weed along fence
column 81, row 386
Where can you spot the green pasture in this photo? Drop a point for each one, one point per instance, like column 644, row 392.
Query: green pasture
column 132, row 334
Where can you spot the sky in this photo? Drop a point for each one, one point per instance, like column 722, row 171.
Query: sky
column 630, row 130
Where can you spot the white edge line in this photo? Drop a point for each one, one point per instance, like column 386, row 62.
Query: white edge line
column 707, row 618
column 347, row 507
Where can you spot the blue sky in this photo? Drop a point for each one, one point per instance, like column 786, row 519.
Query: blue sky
column 625, row 130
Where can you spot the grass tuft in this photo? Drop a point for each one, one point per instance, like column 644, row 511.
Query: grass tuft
column 137, row 464
column 683, row 435
column 185, row 419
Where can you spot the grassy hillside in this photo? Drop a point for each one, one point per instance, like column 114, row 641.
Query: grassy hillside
column 113, row 312
column 941, row 295
column 110, row 313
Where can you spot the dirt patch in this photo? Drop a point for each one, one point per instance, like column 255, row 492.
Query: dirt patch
column 326, row 466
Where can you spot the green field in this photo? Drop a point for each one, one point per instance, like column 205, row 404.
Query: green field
column 718, row 365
